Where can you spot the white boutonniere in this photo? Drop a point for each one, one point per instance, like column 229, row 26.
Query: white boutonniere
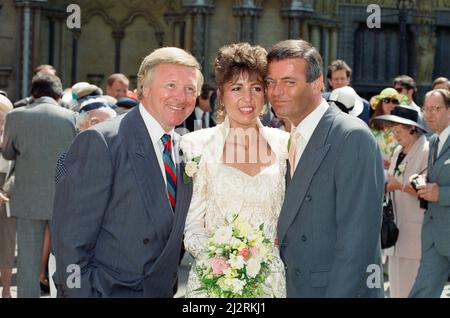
column 191, row 169
column 401, row 169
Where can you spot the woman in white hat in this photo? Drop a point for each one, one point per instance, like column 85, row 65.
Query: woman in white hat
column 410, row 157
column 7, row 224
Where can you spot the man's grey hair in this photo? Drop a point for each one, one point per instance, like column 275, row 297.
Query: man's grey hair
column 298, row 49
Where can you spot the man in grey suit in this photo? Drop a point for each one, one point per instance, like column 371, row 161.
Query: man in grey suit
column 329, row 226
column 120, row 209
column 435, row 261
column 35, row 136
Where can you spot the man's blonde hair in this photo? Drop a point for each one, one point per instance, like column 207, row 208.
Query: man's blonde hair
column 167, row 55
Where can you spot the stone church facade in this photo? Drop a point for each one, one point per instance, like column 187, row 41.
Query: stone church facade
column 115, row 35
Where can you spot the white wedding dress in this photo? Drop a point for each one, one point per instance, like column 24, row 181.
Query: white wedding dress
column 220, row 190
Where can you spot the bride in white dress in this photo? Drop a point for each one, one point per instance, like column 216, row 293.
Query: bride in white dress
column 242, row 164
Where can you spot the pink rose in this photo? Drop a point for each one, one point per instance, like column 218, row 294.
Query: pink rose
column 218, row 265
column 244, row 252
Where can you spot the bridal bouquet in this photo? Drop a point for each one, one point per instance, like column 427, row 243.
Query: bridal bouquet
column 238, row 261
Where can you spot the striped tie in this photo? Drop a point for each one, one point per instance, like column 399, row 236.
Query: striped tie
column 169, row 167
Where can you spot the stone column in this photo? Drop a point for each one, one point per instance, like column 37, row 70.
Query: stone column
column 118, row 36
column 28, row 37
column 295, row 12
column 199, row 10
column 315, row 36
column 333, row 44
column 325, row 45
column 76, row 33
column 247, row 12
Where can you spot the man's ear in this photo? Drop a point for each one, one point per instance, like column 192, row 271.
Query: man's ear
column 318, row 83
column 145, row 91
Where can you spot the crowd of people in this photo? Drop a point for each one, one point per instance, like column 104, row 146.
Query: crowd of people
column 98, row 181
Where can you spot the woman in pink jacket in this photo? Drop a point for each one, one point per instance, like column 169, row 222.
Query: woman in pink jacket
column 409, row 157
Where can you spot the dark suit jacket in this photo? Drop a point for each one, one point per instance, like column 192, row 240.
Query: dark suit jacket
column 112, row 216
column 329, row 226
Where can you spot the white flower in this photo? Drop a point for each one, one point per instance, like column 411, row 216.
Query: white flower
column 255, row 238
column 253, row 267
column 401, row 169
column 236, row 243
column 236, row 262
column 224, row 283
column 237, row 285
column 243, row 227
column 230, row 272
column 262, row 252
column 191, row 168
column 223, row 235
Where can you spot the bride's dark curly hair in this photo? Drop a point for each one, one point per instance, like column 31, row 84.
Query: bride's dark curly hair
column 235, row 59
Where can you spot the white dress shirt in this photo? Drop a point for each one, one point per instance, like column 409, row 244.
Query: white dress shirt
column 443, row 138
column 198, row 116
column 306, row 128
column 155, row 132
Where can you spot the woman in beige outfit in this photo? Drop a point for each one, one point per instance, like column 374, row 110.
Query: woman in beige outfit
column 409, row 157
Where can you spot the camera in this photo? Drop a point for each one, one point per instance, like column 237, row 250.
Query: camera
column 419, row 181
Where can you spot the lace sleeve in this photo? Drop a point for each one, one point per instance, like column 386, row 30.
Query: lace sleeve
column 195, row 234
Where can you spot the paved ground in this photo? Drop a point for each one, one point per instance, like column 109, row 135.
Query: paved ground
column 183, row 274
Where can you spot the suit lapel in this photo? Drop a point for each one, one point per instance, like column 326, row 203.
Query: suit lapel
column 312, row 157
column 148, row 173
column 288, row 174
column 435, row 168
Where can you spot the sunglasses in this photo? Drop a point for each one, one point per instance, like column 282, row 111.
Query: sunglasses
column 390, row 100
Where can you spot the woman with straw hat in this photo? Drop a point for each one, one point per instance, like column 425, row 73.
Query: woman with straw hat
column 383, row 104
column 410, row 157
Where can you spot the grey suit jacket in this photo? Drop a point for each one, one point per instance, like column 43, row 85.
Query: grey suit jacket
column 330, row 222
column 112, row 216
column 35, row 136
column 436, row 223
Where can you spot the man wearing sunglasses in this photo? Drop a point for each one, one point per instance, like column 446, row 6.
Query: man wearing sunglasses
column 435, row 261
column 406, row 85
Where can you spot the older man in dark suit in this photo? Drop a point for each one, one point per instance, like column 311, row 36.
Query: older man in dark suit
column 120, row 209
